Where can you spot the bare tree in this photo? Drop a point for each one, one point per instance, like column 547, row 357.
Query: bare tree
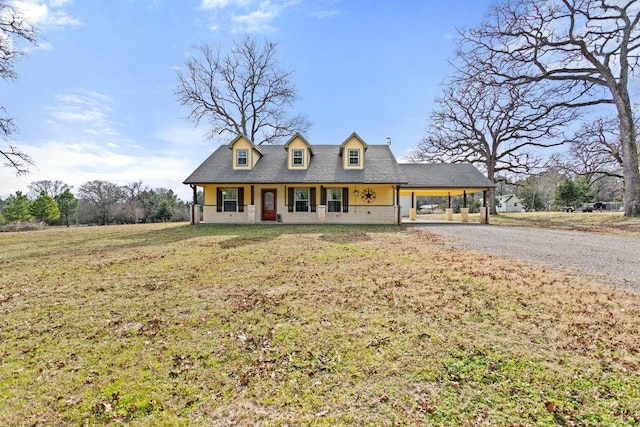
column 495, row 127
column 588, row 49
column 51, row 188
column 243, row 92
column 133, row 210
column 596, row 151
column 99, row 199
column 13, row 29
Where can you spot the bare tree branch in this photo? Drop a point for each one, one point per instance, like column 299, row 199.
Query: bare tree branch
column 587, row 49
column 244, row 92
column 13, row 29
column 596, row 150
column 495, row 127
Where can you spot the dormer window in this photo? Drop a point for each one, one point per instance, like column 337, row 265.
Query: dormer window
column 242, row 157
column 298, row 157
column 354, row 157
column 299, row 153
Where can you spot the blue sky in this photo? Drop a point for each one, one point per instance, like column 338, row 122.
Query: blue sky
column 95, row 100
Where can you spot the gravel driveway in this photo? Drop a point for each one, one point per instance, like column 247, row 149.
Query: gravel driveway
column 611, row 259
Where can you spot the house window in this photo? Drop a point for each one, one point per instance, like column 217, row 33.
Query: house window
column 334, row 199
column 354, row 157
column 229, row 199
column 298, row 157
column 302, row 199
column 241, row 157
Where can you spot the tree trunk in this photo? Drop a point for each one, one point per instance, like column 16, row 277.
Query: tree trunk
column 630, row 169
column 491, row 195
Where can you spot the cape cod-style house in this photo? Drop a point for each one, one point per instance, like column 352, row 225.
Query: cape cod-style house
column 298, row 182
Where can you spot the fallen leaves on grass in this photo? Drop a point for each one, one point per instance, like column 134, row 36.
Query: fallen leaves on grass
column 165, row 324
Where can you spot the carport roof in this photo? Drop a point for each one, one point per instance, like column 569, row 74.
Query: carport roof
column 443, row 178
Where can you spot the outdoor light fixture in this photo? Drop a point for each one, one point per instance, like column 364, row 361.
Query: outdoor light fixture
column 355, row 193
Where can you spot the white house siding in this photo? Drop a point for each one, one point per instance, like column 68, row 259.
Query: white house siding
column 509, row 204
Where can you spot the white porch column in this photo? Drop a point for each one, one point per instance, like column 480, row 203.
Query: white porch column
column 464, row 214
column 322, row 213
column 251, row 214
column 195, row 214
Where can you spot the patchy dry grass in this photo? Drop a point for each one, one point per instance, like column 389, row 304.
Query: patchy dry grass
column 296, row 325
column 614, row 223
column 595, row 222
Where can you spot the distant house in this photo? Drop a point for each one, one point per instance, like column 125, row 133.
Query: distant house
column 508, row 203
column 297, row 182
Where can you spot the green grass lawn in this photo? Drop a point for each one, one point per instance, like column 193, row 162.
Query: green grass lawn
column 303, row 325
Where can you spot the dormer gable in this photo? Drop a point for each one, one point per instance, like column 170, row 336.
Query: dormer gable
column 299, row 152
column 245, row 153
column 352, row 152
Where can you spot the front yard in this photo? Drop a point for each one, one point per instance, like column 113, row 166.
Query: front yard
column 289, row 325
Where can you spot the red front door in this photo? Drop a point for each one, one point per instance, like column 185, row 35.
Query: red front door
column 268, row 205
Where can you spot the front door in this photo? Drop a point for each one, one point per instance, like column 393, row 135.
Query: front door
column 268, row 205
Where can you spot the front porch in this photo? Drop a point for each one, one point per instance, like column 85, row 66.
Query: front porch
column 356, row 214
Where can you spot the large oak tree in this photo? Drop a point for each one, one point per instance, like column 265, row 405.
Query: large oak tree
column 241, row 92
column 588, row 49
column 100, row 199
column 494, row 127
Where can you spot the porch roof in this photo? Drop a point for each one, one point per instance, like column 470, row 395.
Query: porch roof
column 442, row 179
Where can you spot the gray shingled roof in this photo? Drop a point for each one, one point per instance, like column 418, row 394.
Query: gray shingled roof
column 443, row 175
column 326, row 166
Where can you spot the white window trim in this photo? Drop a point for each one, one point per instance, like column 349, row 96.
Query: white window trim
column 329, row 199
column 246, row 157
column 225, row 193
column 357, row 156
column 296, row 199
column 294, row 157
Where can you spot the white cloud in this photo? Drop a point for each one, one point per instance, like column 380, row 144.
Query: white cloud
column 84, row 151
column 259, row 20
column 221, row 4
column 45, row 13
column 323, row 14
column 184, row 136
column 89, row 110
column 59, row 3
column 214, row 4
column 246, row 15
column 78, row 163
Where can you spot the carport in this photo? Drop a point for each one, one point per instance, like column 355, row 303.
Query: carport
column 445, row 180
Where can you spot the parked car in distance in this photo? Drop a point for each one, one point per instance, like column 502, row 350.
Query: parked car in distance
column 587, row 208
column 599, row 206
column 568, row 209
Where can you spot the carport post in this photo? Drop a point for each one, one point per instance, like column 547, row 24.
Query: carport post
column 464, row 199
column 399, row 219
column 449, row 201
column 194, row 204
column 485, row 210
